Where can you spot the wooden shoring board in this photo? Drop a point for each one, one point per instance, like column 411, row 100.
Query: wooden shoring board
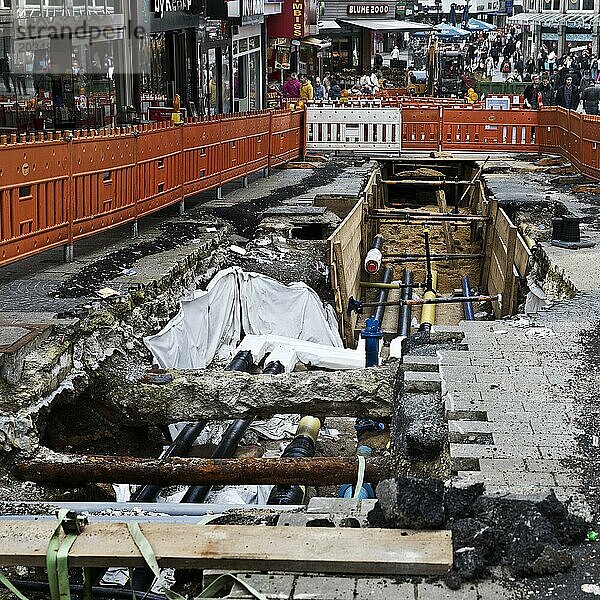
column 440, row 197
column 290, row 549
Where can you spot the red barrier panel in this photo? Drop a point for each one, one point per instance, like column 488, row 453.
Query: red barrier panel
column 201, row 155
column 421, row 128
column 103, row 175
column 491, row 130
column 55, row 191
column 34, row 198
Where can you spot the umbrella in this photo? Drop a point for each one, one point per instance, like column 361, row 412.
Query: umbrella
column 445, row 30
column 452, row 15
column 477, row 25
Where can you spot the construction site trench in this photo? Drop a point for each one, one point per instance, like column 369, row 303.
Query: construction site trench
column 287, row 356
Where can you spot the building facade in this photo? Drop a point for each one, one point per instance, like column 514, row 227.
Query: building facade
column 559, row 24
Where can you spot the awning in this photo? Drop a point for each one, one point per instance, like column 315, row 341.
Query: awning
column 328, row 26
column 386, row 25
column 315, row 42
column 554, row 19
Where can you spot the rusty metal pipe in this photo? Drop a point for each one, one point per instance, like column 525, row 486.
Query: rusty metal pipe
column 80, row 469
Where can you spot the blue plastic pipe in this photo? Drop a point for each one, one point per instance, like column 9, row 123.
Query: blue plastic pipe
column 466, row 291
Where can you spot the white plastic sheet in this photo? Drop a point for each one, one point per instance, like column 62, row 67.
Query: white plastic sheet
column 209, row 325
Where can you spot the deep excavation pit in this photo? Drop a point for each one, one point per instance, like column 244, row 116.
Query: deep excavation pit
column 114, row 414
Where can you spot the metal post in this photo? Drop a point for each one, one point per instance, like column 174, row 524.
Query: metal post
column 219, row 193
column 245, row 181
column 405, row 309
column 135, row 232
column 182, row 207
column 68, row 253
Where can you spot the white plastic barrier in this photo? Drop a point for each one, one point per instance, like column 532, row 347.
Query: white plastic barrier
column 354, row 129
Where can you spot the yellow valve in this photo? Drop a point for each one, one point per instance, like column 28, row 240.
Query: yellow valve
column 428, row 310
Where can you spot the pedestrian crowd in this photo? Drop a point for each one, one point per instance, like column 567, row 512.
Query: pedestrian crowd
column 329, row 88
column 554, row 80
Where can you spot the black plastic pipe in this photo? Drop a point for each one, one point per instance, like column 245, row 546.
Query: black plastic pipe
column 405, row 310
column 180, row 447
column 377, row 242
column 429, row 274
column 242, row 361
column 274, row 368
column 302, row 446
column 468, row 306
column 97, row 591
column 387, row 276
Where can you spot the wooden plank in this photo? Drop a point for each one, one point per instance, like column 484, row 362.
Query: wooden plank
column 522, row 256
column 509, row 293
column 440, row 197
column 289, row 549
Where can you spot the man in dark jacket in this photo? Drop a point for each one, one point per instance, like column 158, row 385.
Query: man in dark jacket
column 531, row 94
column 591, row 99
column 567, row 95
column 547, row 91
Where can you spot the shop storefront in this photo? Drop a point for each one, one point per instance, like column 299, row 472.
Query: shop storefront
column 247, row 69
column 59, row 71
column 292, row 47
column 166, row 62
column 355, row 43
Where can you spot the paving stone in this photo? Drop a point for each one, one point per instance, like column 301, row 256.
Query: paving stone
column 488, row 427
column 531, row 439
column 421, row 363
column 274, row 586
column 345, row 506
column 324, row 588
column 438, row 591
column 384, row 589
column 488, row 451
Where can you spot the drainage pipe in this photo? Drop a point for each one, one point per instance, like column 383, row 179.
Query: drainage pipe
column 466, row 291
column 405, row 310
column 428, row 310
column 374, row 256
column 180, row 447
column 302, row 446
column 289, row 469
column 242, row 361
column 388, row 273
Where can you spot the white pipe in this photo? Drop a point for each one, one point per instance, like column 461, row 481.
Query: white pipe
column 318, row 355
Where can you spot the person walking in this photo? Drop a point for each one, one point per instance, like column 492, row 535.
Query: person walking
column 306, row 89
column 547, row 91
column 591, row 99
column 531, row 94
column 319, row 90
column 291, row 87
column 567, row 95
column 5, row 72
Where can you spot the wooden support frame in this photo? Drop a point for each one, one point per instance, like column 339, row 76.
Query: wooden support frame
column 238, row 547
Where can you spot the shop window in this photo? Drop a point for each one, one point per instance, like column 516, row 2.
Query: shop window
column 106, row 177
column 588, row 5
column 556, row 5
column 24, row 191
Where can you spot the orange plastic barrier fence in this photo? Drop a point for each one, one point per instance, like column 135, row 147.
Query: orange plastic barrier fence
column 57, row 188
column 492, row 130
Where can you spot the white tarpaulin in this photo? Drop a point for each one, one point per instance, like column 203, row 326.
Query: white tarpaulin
column 209, row 325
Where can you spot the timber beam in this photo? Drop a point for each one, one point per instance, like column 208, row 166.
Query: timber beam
column 71, row 470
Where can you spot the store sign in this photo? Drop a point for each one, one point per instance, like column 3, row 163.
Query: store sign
column 292, row 22
column 164, row 6
column 356, row 10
